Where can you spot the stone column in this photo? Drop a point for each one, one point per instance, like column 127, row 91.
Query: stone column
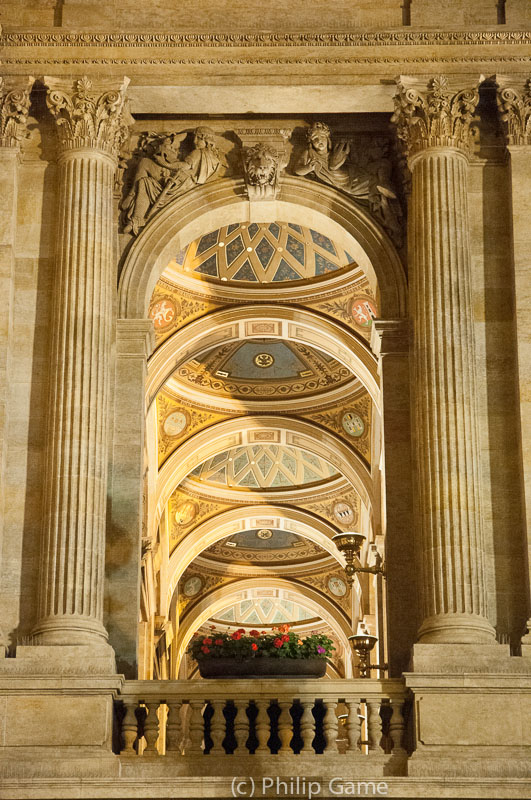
column 434, row 121
column 14, row 107
column 514, row 104
column 390, row 344
column 90, row 128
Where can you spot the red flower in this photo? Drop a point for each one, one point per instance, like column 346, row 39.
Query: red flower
column 254, row 633
column 285, row 638
column 240, row 630
column 219, row 642
column 207, row 641
column 236, row 635
column 278, row 642
column 205, row 649
column 254, row 646
column 264, row 633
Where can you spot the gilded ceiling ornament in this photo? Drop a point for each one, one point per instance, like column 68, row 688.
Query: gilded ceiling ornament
column 14, row 108
column 89, row 115
column 364, row 173
column 264, row 360
column 435, row 114
column 162, row 175
column 514, row 105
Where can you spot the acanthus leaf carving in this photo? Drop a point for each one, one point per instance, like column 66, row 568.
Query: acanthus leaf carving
column 14, row 109
column 514, row 106
column 89, row 115
column 364, row 174
column 162, row 174
column 434, row 114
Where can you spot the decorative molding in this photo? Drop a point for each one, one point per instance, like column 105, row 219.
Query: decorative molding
column 390, row 337
column 89, row 115
column 14, row 108
column 433, row 114
column 232, row 40
column 514, row 106
column 276, row 61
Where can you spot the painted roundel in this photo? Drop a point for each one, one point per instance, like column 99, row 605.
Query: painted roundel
column 337, row 586
column 163, row 312
column 353, row 424
column 176, row 423
column 192, row 586
column 185, row 512
column 363, row 311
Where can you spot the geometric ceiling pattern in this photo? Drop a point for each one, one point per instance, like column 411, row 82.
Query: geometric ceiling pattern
column 264, row 611
column 264, row 466
column 264, row 368
column 276, row 252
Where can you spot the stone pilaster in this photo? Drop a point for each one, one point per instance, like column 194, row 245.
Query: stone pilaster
column 514, row 105
column 14, row 107
column 90, row 129
column 434, row 121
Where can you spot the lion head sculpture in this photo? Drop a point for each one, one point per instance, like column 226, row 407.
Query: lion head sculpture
column 261, row 164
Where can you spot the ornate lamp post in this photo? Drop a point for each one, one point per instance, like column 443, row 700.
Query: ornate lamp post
column 350, row 544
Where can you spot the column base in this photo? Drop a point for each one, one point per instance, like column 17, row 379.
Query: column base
column 457, row 629
column 69, row 630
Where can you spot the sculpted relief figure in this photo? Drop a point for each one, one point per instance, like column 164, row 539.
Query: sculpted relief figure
column 163, row 174
column 261, row 166
column 365, row 176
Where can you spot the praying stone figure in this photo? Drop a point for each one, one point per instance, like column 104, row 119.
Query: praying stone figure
column 365, row 176
column 163, row 175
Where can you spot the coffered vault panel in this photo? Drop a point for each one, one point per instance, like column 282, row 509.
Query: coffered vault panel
column 264, row 466
column 276, row 252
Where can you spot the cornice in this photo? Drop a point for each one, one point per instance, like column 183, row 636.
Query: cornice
column 232, row 40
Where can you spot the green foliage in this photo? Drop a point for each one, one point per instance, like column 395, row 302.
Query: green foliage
column 281, row 643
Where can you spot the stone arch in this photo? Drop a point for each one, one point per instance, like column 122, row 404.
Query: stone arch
column 244, row 430
column 212, row 530
column 220, row 202
column 222, row 596
column 293, row 324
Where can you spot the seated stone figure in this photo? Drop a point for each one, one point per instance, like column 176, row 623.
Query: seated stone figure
column 162, row 176
column 366, row 177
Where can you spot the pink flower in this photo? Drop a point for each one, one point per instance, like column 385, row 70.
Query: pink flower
column 321, row 650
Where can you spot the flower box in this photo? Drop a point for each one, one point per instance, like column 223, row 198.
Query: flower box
column 263, row 667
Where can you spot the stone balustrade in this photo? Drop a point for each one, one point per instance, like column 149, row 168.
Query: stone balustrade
column 255, row 717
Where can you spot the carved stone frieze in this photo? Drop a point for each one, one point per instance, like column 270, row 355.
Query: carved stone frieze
column 514, row 105
column 89, row 115
column 363, row 173
column 162, row 173
column 436, row 114
column 14, row 108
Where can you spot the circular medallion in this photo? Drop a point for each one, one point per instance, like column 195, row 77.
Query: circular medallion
column 363, row 311
column 163, row 313
column 337, row 586
column 264, row 534
column 185, row 512
column 353, row 424
column 175, row 423
column 192, row 586
column 264, row 360
column 344, row 513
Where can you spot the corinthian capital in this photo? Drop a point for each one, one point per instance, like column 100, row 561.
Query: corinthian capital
column 89, row 115
column 14, row 107
column 514, row 105
column 433, row 113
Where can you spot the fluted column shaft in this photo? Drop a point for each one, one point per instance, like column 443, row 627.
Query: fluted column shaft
column 445, row 411
column 73, row 551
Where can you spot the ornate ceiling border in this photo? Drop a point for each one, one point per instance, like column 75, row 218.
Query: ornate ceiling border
column 384, row 38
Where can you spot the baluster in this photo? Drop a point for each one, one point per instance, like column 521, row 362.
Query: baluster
column 217, row 727
column 174, row 731
column 151, row 729
column 129, row 728
column 241, row 726
column 353, row 726
column 196, row 727
column 307, row 726
column 396, row 726
column 262, row 726
column 374, row 724
column 330, row 726
column 285, row 726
